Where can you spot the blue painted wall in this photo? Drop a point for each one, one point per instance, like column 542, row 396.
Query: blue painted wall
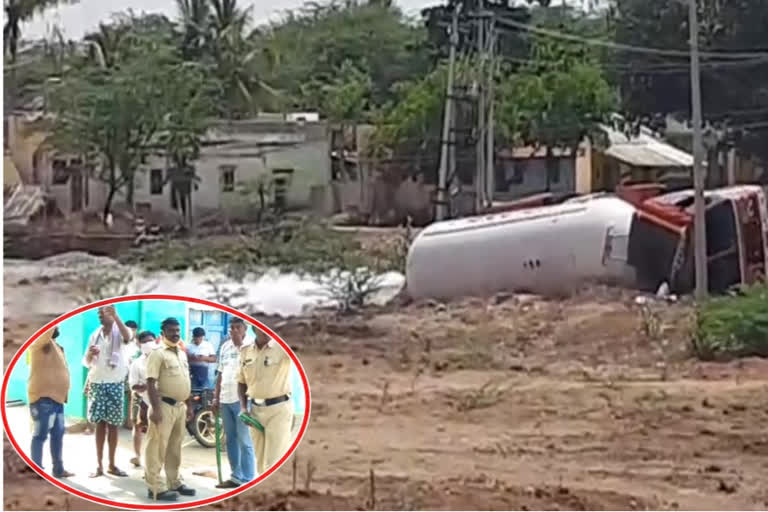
column 153, row 312
column 297, row 389
column 74, row 334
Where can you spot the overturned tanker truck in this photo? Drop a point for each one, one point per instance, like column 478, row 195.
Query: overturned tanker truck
column 622, row 239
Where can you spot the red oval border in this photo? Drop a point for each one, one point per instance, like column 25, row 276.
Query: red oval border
column 169, row 506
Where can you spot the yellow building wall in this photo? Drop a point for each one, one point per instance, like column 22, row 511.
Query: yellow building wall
column 10, row 172
column 22, row 144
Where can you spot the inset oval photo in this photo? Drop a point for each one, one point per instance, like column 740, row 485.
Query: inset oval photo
column 155, row 402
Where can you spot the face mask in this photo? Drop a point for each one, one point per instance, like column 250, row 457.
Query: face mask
column 147, row 347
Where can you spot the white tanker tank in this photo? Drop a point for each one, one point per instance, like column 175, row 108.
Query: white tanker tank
column 538, row 250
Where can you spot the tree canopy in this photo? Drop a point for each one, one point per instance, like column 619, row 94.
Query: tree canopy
column 364, row 60
column 148, row 102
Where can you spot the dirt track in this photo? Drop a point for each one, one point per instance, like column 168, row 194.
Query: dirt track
column 521, row 404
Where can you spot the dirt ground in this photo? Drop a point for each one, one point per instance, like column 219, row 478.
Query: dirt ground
column 506, row 403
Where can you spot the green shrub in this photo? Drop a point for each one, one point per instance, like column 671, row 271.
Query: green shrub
column 733, row 326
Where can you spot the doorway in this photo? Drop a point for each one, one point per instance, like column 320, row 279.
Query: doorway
column 216, row 325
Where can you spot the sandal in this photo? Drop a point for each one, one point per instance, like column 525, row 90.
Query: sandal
column 135, row 461
column 116, row 471
column 99, row 472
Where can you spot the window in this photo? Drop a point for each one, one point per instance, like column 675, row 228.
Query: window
column 156, row 182
column 60, row 171
column 227, row 178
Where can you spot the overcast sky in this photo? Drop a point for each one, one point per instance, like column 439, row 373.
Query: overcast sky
column 84, row 16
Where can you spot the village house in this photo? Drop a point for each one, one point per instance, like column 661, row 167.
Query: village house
column 725, row 164
column 283, row 157
column 596, row 166
column 524, row 171
column 616, row 157
column 384, row 192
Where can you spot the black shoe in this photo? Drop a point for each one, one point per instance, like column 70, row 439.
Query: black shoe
column 228, row 484
column 185, row 491
column 163, row 496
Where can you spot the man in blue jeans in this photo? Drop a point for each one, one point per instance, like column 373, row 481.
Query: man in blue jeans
column 47, row 391
column 239, row 444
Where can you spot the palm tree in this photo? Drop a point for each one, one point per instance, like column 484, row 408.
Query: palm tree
column 104, row 44
column 229, row 18
column 239, row 60
column 194, row 18
column 17, row 12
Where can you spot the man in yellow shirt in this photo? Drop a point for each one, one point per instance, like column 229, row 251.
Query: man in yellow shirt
column 47, row 391
column 264, row 390
column 168, row 388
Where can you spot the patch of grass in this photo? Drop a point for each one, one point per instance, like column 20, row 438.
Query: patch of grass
column 733, row 326
column 487, row 395
column 304, row 247
column 650, row 323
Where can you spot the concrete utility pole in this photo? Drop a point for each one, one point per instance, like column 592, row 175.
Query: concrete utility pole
column 700, row 227
column 442, row 196
column 480, row 188
column 490, row 155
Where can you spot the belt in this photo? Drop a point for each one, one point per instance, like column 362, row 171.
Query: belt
column 170, row 401
column 271, row 401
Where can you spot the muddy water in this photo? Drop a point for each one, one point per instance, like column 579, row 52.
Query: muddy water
column 51, row 286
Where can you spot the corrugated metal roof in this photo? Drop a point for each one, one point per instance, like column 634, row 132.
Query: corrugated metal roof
column 645, row 150
column 21, row 202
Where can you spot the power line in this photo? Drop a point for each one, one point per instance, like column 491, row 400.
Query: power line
column 661, row 69
column 625, row 47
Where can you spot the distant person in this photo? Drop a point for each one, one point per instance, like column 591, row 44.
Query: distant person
column 264, row 391
column 168, row 390
column 201, row 354
column 139, row 399
column 132, row 350
column 107, row 371
column 239, row 443
column 47, row 391
column 131, row 353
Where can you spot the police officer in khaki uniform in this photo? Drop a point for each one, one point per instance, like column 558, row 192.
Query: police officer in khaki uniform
column 264, row 389
column 168, row 387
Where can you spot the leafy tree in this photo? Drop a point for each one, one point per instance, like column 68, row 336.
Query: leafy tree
column 238, row 62
column 408, row 130
column 17, row 12
column 122, row 38
column 313, row 43
column 437, row 18
column 116, row 117
column 194, row 21
column 414, row 118
column 347, row 97
column 734, row 91
column 184, row 126
column 555, row 100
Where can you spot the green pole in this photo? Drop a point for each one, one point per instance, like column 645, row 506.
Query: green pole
column 218, row 447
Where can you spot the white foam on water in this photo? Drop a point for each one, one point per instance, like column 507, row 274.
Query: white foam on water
column 271, row 293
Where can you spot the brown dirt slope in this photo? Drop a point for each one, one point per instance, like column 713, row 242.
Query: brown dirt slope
column 508, row 403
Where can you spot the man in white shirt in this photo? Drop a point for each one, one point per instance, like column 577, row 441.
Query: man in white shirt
column 239, row 444
column 140, row 400
column 201, row 355
column 107, row 369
